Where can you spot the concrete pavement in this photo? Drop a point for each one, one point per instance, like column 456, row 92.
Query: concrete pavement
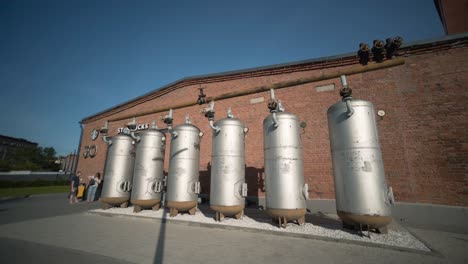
column 49, row 225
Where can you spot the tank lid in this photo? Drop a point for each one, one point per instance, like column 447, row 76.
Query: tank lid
column 151, row 131
column 122, row 137
column 354, row 102
column 229, row 121
column 187, row 127
column 282, row 115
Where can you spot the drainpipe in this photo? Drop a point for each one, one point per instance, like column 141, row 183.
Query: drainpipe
column 79, row 146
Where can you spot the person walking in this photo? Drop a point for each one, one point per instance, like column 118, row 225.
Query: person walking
column 75, row 182
column 92, row 186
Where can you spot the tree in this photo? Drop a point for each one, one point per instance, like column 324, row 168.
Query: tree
column 31, row 158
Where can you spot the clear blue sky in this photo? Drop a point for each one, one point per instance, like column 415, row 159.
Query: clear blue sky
column 63, row 60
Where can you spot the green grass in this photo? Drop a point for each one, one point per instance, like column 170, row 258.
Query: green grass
column 14, row 192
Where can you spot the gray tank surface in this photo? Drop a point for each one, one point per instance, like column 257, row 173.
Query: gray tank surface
column 148, row 174
column 183, row 186
column 286, row 193
column 362, row 195
column 228, row 188
column 118, row 172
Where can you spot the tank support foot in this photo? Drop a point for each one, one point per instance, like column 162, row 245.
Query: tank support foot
column 239, row 215
column 124, row 205
column 219, row 217
column 192, row 211
column 382, row 230
column 156, row 207
column 368, row 230
column 301, row 220
column 105, row 206
column 281, row 221
column 173, row 212
column 136, row 209
column 348, row 226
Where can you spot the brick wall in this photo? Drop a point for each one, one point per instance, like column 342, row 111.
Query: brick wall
column 423, row 134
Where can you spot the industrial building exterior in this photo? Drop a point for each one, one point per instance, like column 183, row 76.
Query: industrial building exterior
column 421, row 94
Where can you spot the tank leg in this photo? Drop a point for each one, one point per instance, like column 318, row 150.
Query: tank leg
column 301, row 220
column 383, row 230
column 361, row 229
column 173, row 212
column 239, row 215
column 285, row 223
column 156, row 207
column 219, row 217
column 192, row 211
column 136, row 208
column 347, row 226
column 124, row 205
column 105, row 206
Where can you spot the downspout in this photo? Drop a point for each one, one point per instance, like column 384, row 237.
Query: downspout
column 79, row 147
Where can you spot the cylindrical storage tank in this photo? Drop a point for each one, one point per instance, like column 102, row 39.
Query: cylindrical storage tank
column 286, row 192
column 362, row 195
column 183, row 186
column 228, row 187
column 148, row 175
column 118, row 172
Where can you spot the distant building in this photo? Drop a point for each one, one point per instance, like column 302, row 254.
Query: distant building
column 68, row 163
column 453, row 15
column 10, row 144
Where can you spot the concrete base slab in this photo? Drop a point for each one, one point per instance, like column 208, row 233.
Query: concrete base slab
column 318, row 226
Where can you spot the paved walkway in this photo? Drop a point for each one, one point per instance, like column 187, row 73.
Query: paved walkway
column 49, row 230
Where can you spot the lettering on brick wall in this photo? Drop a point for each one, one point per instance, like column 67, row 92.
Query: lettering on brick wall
column 125, row 130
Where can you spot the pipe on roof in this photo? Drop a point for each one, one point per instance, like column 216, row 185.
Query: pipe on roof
column 324, row 76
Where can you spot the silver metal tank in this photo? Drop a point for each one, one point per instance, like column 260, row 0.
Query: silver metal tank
column 286, row 193
column 228, row 188
column 148, row 175
column 183, row 186
column 362, row 195
column 118, row 172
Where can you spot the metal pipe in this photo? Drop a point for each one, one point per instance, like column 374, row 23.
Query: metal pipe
column 215, row 128
column 107, row 140
column 350, row 110
column 343, row 81
column 319, row 77
column 272, row 94
column 135, row 137
column 275, row 120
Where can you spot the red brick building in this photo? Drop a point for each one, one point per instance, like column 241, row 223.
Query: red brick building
column 424, row 133
column 452, row 15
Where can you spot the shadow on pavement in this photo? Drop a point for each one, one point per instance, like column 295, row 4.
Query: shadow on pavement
column 159, row 253
column 40, row 206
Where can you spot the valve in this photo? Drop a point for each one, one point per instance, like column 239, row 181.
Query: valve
column 378, row 51
column 363, row 53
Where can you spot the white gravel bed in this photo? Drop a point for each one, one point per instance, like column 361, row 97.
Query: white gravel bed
column 396, row 237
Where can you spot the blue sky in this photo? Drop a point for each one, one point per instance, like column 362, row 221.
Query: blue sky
column 61, row 61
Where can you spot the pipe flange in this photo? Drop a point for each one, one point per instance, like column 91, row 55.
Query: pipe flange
column 346, row 92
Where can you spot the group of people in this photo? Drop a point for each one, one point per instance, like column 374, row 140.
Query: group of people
column 94, row 182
